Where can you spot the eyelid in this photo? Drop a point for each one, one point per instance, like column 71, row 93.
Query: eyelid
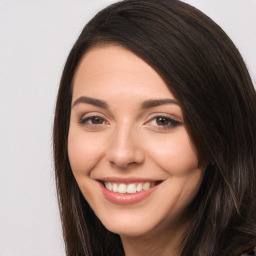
column 166, row 115
column 91, row 114
column 172, row 122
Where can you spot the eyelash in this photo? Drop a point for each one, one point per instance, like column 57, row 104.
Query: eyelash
column 83, row 121
column 170, row 123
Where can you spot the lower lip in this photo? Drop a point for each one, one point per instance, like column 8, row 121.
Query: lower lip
column 125, row 199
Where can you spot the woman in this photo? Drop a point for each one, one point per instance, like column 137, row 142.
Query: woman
column 154, row 136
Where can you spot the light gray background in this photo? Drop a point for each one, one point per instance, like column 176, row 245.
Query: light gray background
column 35, row 38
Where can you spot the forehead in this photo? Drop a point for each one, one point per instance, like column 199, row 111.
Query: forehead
column 114, row 70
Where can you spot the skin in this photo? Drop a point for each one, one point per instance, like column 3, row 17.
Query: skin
column 129, row 141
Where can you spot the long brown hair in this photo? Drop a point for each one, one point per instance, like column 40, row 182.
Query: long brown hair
column 207, row 75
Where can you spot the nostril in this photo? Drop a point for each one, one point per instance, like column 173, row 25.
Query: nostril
column 122, row 164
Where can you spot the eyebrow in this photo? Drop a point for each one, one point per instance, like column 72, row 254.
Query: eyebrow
column 158, row 102
column 103, row 104
column 91, row 101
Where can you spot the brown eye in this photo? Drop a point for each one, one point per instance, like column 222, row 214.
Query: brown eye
column 92, row 120
column 162, row 121
column 97, row 120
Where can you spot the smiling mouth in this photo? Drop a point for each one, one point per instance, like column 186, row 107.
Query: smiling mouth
column 130, row 188
column 128, row 191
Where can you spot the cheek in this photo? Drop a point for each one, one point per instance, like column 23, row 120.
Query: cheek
column 175, row 154
column 83, row 151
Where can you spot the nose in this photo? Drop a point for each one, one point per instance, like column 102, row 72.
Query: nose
column 125, row 149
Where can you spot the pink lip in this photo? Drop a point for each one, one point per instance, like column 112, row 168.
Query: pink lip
column 125, row 199
column 126, row 180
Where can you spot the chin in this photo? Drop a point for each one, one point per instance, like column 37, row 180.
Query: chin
column 125, row 229
column 129, row 225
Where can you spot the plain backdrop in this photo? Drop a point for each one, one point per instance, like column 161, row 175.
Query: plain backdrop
column 35, row 38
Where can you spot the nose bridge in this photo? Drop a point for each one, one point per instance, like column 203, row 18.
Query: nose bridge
column 124, row 148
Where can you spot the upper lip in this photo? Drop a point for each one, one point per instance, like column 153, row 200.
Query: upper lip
column 128, row 180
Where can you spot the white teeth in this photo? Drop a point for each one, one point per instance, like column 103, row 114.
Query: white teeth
column 108, row 186
column 139, row 187
column 146, row 186
column 129, row 188
column 122, row 189
column 115, row 187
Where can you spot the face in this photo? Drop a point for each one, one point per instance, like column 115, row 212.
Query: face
column 128, row 146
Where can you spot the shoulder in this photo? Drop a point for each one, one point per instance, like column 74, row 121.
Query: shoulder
column 249, row 252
